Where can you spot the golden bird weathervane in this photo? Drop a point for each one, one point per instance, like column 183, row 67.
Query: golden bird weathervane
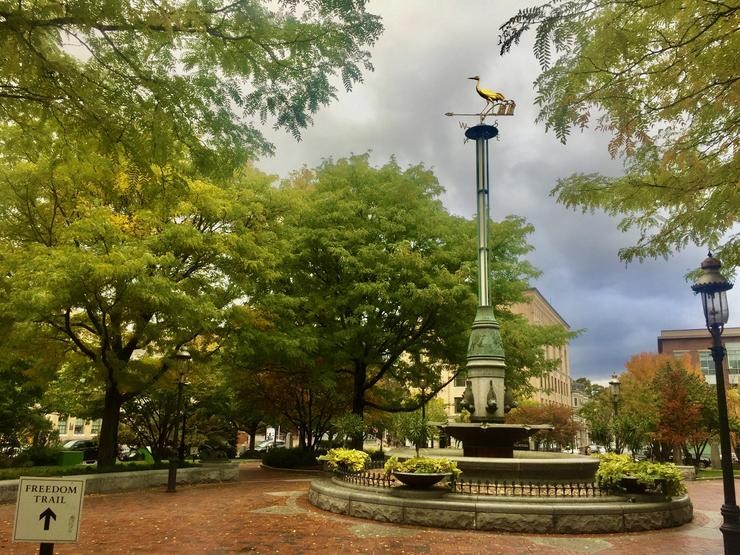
column 496, row 103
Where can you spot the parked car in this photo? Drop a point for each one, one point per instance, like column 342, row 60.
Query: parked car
column 87, row 446
column 268, row 444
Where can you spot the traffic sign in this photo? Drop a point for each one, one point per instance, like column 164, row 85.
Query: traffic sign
column 48, row 510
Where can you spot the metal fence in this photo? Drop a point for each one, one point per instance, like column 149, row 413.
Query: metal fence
column 378, row 479
column 513, row 488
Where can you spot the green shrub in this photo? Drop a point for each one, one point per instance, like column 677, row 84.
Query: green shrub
column 376, row 455
column 423, row 465
column 43, row 456
column 290, row 458
column 347, row 460
column 654, row 476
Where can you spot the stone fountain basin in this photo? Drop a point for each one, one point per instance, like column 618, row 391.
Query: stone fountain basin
column 526, row 466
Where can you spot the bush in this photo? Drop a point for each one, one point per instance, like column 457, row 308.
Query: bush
column 423, row 465
column 43, row 456
column 251, row 454
column 290, row 458
column 346, row 460
column 376, row 455
column 654, row 476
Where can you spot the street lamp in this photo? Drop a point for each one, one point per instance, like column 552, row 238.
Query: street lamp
column 423, row 385
column 614, row 385
column 712, row 287
column 182, row 357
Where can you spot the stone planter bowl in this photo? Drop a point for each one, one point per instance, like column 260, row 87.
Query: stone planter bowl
column 420, row 480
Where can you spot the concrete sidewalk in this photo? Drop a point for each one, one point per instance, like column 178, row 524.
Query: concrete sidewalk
column 267, row 512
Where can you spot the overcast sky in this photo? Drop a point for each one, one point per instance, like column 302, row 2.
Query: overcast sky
column 421, row 62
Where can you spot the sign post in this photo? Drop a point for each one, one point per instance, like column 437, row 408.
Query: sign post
column 48, row 511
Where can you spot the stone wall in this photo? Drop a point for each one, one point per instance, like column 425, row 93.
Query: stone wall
column 126, row 481
column 481, row 512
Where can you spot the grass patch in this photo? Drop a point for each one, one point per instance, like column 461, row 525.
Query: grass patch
column 710, row 473
column 14, row 473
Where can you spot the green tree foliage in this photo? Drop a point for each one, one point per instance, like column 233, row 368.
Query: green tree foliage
column 661, row 78
column 148, row 76
column 598, row 413
column 20, row 412
column 110, row 258
column 376, row 284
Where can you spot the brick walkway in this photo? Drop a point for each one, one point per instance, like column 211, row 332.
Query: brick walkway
column 267, row 512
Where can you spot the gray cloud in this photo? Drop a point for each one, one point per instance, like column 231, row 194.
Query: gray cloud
column 421, row 65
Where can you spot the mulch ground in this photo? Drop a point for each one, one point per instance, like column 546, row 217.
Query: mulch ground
column 267, row 512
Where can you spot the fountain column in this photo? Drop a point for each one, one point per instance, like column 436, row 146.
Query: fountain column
column 485, row 368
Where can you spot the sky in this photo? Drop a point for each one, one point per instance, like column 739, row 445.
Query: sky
column 422, row 62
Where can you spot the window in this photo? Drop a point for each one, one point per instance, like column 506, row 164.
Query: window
column 458, row 408
column 733, row 359
column 679, row 354
column 62, row 426
column 706, row 363
column 95, row 428
column 79, row 428
column 460, row 381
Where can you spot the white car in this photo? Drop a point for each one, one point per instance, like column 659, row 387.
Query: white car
column 268, row 444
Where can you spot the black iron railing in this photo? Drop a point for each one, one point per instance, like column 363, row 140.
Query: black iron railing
column 374, row 478
column 515, row 488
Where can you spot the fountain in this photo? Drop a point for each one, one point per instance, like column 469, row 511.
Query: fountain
column 502, row 489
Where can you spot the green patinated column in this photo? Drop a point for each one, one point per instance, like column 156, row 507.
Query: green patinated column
column 485, row 368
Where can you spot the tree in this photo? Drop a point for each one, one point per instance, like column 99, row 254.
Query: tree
column 379, row 295
column 110, row 258
column 684, row 408
column 598, row 413
column 565, row 427
column 151, row 76
column 588, row 388
column 657, row 77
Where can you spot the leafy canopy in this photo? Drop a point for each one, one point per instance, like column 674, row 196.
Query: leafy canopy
column 148, row 74
column 661, row 78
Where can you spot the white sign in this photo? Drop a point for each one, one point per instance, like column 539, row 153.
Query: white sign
column 48, row 510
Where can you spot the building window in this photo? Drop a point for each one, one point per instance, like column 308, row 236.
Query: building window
column 460, row 381
column 62, row 426
column 733, row 359
column 679, row 354
column 95, row 428
column 706, row 363
column 79, row 428
column 458, row 408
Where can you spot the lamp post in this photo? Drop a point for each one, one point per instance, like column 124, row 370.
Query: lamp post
column 423, row 385
column 614, row 385
column 182, row 357
column 713, row 287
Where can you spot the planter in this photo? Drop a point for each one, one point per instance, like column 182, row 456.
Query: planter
column 630, row 485
column 421, row 480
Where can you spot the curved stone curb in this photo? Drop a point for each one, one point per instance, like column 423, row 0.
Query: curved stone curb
column 127, row 481
column 473, row 512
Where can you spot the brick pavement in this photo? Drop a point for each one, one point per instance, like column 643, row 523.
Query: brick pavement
column 267, row 512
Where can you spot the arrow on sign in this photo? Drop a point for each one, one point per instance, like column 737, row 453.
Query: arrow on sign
column 47, row 515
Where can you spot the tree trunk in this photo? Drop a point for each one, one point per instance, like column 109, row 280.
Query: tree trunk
column 252, row 431
column 358, row 400
column 108, row 441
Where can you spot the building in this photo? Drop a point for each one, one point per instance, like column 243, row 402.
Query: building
column 696, row 343
column 554, row 388
column 70, row 427
column 580, row 398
